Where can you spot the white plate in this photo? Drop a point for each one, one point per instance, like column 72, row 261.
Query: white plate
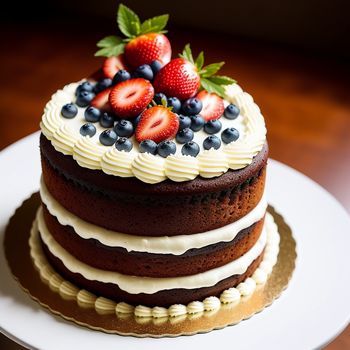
column 311, row 312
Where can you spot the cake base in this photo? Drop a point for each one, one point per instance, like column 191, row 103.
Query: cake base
column 17, row 252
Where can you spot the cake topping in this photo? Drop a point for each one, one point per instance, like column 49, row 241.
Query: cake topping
column 69, row 110
column 123, row 144
column 230, row 135
column 157, row 123
column 190, row 149
column 197, row 122
column 192, row 106
column 111, row 64
column 184, row 122
column 100, row 101
column 175, row 103
column 88, row 129
column 212, row 126
column 129, row 98
column 120, row 76
column 166, row 148
column 144, row 71
column 184, row 135
column 108, row 137
column 102, row 85
column 92, row 114
column 213, row 105
column 124, row 128
column 231, row 111
column 144, row 42
column 106, row 120
column 211, row 141
column 148, row 146
column 84, row 98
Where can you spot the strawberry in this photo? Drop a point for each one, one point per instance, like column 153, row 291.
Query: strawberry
column 144, row 42
column 96, row 76
column 182, row 77
column 100, row 101
column 146, row 48
column 112, row 64
column 130, row 97
column 213, row 105
column 179, row 78
column 158, row 124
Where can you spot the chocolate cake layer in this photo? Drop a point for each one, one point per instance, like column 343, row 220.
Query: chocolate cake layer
column 94, row 253
column 162, row 298
column 130, row 206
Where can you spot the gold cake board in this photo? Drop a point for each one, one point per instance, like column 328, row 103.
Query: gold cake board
column 17, row 252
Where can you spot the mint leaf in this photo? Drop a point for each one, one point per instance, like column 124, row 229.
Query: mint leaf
column 111, row 51
column 199, row 61
column 128, row 21
column 222, row 80
column 109, row 41
column 211, row 87
column 187, row 53
column 211, row 69
column 155, row 24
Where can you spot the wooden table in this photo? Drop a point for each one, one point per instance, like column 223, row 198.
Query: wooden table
column 304, row 98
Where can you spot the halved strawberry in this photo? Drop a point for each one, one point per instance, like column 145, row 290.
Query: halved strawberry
column 112, row 64
column 179, row 78
column 129, row 98
column 158, row 124
column 146, row 48
column 213, row 105
column 100, row 101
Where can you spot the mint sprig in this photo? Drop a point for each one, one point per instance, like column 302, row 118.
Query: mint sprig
column 130, row 25
column 209, row 80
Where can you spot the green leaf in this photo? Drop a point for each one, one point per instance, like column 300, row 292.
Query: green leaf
column 109, row 41
column 200, row 61
column 211, row 87
column 154, row 25
column 211, row 69
column 128, row 21
column 111, row 51
column 187, row 53
column 222, row 80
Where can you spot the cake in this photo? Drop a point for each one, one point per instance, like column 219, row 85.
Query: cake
column 153, row 181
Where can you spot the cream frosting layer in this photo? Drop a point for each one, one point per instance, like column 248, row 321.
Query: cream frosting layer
column 90, row 153
column 176, row 245
column 149, row 285
column 122, row 309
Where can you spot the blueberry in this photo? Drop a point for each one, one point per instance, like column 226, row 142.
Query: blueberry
column 192, row 106
column 156, row 67
column 231, row 111
column 184, row 135
column 84, row 98
column 124, row 128
column 190, row 149
column 212, row 141
column 108, row 137
column 166, row 148
column 85, row 86
column 184, row 122
column 159, row 98
column 144, row 71
column 123, row 144
column 175, row 103
column 92, row 114
column 120, row 76
column 197, row 122
column 88, row 129
column 106, row 120
column 69, row 110
column 212, row 126
column 148, row 146
column 102, row 85
column 229, row 135
column 136, row 120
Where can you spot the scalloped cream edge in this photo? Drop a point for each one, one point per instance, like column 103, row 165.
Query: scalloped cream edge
column 195, row 308
column 153, row 168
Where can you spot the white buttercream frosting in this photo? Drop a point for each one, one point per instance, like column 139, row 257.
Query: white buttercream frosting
column 150, row 285
column 231, row 295
column 88, row 152
column 158, row 245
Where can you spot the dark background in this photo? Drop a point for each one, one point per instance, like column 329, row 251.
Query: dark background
column 293, row 56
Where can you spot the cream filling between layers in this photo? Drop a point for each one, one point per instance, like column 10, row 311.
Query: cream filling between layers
column 150, row 285
column 102, row 305
column 175, row 245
